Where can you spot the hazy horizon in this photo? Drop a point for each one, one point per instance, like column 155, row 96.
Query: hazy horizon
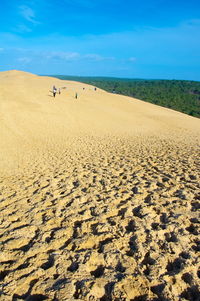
column 104, row 76
column 117, row 77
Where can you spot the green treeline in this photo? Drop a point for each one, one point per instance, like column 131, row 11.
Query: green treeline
column 179, row 95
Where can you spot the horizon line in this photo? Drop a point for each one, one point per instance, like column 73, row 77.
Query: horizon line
column 123, row 78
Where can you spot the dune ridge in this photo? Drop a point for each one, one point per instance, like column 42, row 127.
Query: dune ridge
column 99, row 196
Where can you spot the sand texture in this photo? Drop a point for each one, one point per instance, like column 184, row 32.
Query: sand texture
column 99, row 196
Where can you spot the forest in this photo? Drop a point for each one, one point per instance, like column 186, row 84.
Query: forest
column 179, row 95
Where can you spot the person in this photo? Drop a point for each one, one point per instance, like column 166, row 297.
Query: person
column 95, row 89
column 76, row 95
column 59, row 92
column 54, row 91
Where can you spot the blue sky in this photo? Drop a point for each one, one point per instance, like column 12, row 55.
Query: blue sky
column 121, row 38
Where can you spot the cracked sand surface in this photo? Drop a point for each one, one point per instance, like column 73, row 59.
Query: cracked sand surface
column 99, row 198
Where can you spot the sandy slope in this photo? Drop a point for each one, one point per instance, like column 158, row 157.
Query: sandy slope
column 99, row 197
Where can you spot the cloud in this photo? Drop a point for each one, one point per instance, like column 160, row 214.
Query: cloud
column 67, row 56
column 132, row 59
column 97, row 57
column 28, row 14
column 167, row 52
column 21, row 28
column 74, row 56
column 24, row 60
column 25, row 55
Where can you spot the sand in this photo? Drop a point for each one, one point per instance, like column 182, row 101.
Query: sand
column 99, row 196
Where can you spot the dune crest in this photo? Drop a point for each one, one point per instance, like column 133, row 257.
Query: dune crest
column 99, row 195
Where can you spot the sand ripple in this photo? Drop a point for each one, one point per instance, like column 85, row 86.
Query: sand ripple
column 107, row 219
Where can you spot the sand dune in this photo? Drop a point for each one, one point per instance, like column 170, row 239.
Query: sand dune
column 99, row 196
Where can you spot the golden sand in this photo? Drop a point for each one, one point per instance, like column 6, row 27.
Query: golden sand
column 99, row 196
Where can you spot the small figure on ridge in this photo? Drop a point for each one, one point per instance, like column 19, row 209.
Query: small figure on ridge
column 54, row 91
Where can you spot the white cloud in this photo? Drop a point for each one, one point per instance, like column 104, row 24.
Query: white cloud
column 26, row 55
column 67, row 56
column 24, row 60
column 28, row 14
column 21, row 28
column 97, row 57
column 132, row 59
column 74, row 56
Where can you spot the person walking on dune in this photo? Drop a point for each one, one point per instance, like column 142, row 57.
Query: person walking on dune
column 54, row 91
column 76, row 95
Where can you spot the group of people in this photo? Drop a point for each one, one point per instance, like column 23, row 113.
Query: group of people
column 55, row 91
